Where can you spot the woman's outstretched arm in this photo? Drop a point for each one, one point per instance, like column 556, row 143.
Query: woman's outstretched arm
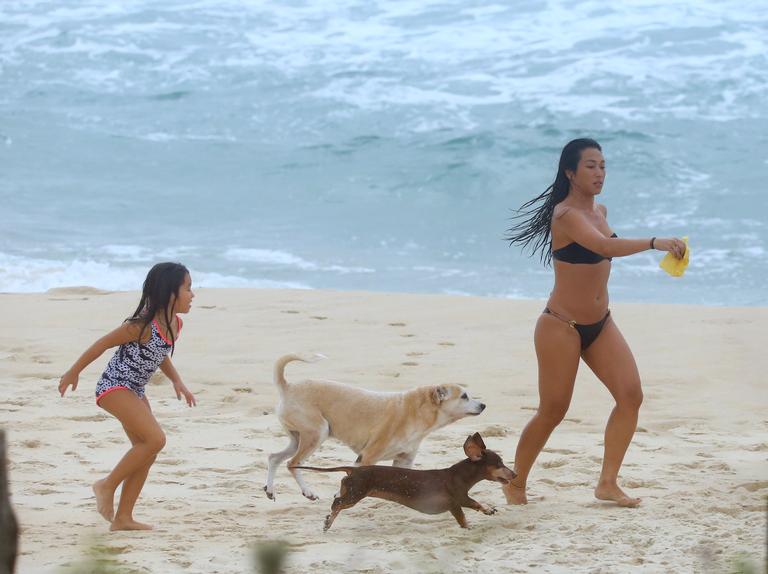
column 576, row 225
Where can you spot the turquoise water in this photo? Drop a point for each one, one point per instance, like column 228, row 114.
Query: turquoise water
column 376, row 145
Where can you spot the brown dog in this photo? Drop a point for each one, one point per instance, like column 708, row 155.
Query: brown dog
column 428, row 491
column 375, row 425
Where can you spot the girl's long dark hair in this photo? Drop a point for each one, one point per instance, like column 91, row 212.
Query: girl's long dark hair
column 163, row 281
column 532, row 221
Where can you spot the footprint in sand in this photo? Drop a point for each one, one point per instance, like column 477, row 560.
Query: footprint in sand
column 559, row 451
column 396, row 324
column 410, row 364
column 494, row 431
column 206, row 306
column 31, row 443
column 243, row 389
column 42, row 376
column 408, row 335
column 729, row 511
column 88, row 419
column 554, row 463
column 44, row 491
column 318, row 317
column 754, row 486
column 290, row 312
column 629, row 483
column 446, row 344
column 415, row 354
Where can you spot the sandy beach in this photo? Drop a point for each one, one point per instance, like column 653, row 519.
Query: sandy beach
column 699, row 459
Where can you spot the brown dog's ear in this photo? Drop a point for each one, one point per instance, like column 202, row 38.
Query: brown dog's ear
column 472, row 449
column 479, row 440
column 439, row 394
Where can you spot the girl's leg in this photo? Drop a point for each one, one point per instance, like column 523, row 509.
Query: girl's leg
column 611, row 360
column 147, row 440
column 558, row 349
column 131, row 489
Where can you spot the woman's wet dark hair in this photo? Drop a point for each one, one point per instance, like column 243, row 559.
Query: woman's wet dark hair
column 163, row 281
column 533, row 222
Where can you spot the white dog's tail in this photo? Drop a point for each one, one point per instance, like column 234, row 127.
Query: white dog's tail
column 284, row 360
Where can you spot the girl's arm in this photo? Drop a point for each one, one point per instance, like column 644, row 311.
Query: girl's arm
column 582, row 231
column 170, row 371
column 125, row 333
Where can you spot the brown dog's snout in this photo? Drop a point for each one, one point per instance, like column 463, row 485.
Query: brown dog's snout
column 504, row 475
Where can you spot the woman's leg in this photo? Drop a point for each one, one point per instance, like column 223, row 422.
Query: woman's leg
column 610, row 358
column 147, row 439
column 558, row 348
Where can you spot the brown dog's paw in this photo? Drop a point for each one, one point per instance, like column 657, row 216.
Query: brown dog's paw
column 489, row 510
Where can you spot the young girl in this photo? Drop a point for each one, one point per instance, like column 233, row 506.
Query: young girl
column 144, row 342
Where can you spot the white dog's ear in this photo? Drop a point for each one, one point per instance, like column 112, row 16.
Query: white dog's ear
column 439, row 394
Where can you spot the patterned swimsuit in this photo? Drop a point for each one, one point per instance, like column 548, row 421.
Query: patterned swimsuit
column 134, row 363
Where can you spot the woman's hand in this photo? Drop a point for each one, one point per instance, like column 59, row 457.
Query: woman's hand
column 69, row 378
column 181, row 389
column 674, row 245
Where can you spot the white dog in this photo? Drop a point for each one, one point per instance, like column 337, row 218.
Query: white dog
column 376, row 425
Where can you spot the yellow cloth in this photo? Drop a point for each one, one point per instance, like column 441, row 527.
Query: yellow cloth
column 674, row 266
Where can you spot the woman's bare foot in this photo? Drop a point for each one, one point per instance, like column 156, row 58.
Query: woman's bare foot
column 612, row 492
column 515, row 494
column 129, row 524
column 104, row 500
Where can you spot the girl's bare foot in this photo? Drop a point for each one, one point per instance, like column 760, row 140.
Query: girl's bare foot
column 129, row 524
column 612, row 492
column 104, row 500
column 515, row 494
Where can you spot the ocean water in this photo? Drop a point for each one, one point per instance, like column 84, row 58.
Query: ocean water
column 374, row 145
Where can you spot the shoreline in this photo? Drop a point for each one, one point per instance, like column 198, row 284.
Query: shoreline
column 699, row 459
column 87, row 290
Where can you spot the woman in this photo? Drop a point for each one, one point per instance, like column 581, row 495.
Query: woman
column 570, row 227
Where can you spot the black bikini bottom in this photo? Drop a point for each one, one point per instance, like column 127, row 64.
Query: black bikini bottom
column 588, row 333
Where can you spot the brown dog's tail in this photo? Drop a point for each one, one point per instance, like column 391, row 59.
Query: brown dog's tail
column 347, row 469
column 285, row 359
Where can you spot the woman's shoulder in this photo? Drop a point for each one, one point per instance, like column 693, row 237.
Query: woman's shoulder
column 560, row 210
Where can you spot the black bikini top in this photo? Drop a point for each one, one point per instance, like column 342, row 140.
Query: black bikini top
column 576, row 253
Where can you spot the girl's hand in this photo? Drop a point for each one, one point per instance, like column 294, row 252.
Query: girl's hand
column 66, row 380
column 674, row 245
column 181, row 389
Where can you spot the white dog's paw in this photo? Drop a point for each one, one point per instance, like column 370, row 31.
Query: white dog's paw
column 485, row 509
column 310, row 495
column 270, row 493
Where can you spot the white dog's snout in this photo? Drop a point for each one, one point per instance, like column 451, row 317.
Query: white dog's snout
column 477, row 407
